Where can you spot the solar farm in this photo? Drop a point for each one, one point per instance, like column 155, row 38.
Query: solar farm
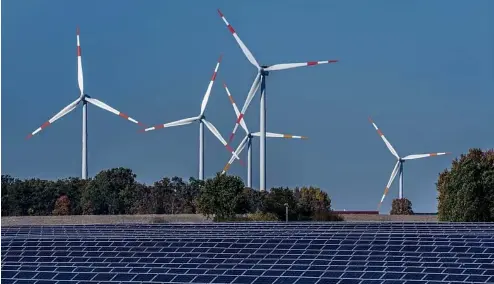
column 262, row 252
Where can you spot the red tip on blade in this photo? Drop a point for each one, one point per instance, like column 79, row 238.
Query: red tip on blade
column 219, row 12
column 231, row 138
column 447, row 153
column 141, row 130
column 221, row 57
column 224, row 84
column 370, row 119
column 29, row 136
column 332, row 61
column 77, row 30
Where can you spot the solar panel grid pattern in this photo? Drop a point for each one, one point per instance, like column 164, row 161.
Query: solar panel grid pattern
column 250, row 253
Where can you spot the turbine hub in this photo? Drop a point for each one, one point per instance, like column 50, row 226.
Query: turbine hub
column 264, row 72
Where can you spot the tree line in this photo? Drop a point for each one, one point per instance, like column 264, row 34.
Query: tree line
column 465, row 194
column 116, row 191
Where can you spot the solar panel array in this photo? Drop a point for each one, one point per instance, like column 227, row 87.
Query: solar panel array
column 279, row 253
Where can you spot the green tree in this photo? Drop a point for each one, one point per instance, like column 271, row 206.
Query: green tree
column 274, row 202
column 110, row 192
column 466, row 191
column 401, row 206
column 220, row 196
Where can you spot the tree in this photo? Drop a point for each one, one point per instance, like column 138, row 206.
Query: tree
column 401, row 206
column 466, row 192
column 314, row 204
column 110, row 192
column 220, row 196
column 62, row 206
column 312, row 200
column 275, row 201
column 249, row 201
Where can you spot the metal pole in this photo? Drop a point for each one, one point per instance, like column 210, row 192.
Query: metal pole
column 84, row 140
column 262, row 139
column 286, row 212
column 401, row 181
column 201, row 150
column 249, row 162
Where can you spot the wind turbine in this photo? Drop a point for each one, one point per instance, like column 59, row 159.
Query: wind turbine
column 260, row 80
column 201, row 118
column 247, row 141
column 84, row 98
column 399, row 164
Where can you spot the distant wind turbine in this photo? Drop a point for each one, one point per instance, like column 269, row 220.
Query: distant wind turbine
column 260, row 80
column 399, row 164
column 201, row 118
column 84, row 98
column 247, row 141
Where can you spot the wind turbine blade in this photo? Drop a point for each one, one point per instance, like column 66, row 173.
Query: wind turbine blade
column 210, row 86
column 216, row 133
column 80, row 79
column 391, row 179
column 391, row 149
column 278, row 135
column 106, row 107
column 253, row 89
column 244, row 48
column 237, row 112
column 57, row 116
column 284, row 66
column 418, row 156
column 239, row 149
column 180, row 122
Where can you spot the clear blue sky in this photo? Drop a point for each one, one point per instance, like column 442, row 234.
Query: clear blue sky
column 423, row 70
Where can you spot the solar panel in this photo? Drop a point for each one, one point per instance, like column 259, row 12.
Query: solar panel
column 250, row 253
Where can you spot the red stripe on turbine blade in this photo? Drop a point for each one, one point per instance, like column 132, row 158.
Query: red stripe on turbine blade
column 123, row 115
column 141, row 124
column 78, row 51
column 159, row 126
column 219, row 12
column 77, row 31
column 221, row 57
column 312, row 63
column 214, row 76
column 379, row 132
column 231, row 137
column 46, row 124
column 29, row 136
column 240, row 118
column 332, row 61
column 231, row 29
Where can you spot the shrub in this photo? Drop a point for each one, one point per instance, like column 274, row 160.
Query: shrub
column 401, row 206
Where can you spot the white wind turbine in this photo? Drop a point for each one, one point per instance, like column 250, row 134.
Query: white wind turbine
column 84, row 98
column 260, row 80
column 201, row 118
column 247, row 141
column 399, row 164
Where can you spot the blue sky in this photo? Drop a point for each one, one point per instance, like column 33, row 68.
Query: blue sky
column 423, row 70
